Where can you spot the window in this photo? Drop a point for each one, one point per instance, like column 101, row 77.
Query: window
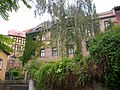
column 23, row 41
column 70, row 49
column 54, row 51
column 106, row 24
column 19, row 40
column 1, row 63
column 43, row 37
column 15, row 39
column 42, row 53
column 19, row 48
column 34, row 38
column 15, row 47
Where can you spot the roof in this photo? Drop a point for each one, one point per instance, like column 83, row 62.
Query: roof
column 110, row 13
column 7, row 53
column 18, row 33
column 106, row 14
column 40, row 27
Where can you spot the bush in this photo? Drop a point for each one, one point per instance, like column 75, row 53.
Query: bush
column 105, row 51
column 16, row 74
column 64, row 74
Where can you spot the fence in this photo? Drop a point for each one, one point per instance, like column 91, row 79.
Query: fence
column 14, row 85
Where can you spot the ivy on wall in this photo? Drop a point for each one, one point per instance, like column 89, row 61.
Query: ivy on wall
column 29, row 47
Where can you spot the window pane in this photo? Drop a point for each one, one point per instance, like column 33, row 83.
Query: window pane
column 70, row 49
column 54, row 51
column 107, row 24
column 42, row 53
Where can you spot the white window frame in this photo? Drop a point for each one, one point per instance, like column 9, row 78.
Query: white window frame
column 42, row 53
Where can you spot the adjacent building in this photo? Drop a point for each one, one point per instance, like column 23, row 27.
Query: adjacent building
column 110, row 16
column 3, row 63
column 19, row 38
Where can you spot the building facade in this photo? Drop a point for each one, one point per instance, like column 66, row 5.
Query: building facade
column 18, row 46
column 3, row 63
column 48, row 52
column 19, row 40
column 110, row 16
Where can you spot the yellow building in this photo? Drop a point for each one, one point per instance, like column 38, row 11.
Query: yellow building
column 3, row 63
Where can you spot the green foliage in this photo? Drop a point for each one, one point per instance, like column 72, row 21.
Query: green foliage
column 32, row 46
column 29, row 48
column 5, row 43
column 10, row 5
column 59, row 73
column 16, row 73
column 73, row 22
column 105, row 50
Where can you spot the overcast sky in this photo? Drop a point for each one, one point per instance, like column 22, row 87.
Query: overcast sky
column 25, row 19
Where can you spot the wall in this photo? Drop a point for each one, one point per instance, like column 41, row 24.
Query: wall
column 4, row 65
column 101, row 21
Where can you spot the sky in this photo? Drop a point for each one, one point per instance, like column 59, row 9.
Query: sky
column 25, row 19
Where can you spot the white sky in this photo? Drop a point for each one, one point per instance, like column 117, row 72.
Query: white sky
column 25, row 19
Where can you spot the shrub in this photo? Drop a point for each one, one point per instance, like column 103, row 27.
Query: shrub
column 67, row 73
column 16, row 74
column 105, row 51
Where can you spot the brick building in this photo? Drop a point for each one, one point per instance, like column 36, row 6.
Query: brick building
column 52, row 53
column 105, row 18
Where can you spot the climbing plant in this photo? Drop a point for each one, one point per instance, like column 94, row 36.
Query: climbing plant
column 33, row 46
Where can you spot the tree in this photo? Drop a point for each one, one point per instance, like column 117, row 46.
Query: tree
column 105, row 51
column 72, row 23
column 5, row 43
column 7, row 6
column 82, row 14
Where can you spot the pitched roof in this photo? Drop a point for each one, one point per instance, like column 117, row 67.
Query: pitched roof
column 16, row 33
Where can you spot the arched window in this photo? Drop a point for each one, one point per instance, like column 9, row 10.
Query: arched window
column 1, row 63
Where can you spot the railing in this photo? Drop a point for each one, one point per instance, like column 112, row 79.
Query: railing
column 14, row 85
